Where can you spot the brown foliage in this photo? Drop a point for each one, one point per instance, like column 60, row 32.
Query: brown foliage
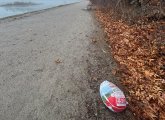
column 132, row 10
column 140, row 52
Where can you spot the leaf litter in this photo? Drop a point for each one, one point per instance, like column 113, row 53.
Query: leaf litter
column 140, row 53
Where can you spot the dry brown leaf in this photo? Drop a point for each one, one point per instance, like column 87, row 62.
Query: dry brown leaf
column 137, row 52
column 58, row 61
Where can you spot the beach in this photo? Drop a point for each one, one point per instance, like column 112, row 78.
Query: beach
column 48, row 60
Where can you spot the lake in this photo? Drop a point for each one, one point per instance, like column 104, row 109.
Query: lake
column 15, row 7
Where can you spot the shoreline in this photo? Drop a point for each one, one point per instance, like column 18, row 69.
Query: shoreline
column 21, row 4
column 27, row 14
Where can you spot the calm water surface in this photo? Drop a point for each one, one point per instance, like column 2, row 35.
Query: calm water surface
column 15, row 7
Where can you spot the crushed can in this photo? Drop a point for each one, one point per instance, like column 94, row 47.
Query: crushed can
column 112, row 97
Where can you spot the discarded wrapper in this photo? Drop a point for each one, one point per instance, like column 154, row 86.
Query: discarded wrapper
column 112, row 96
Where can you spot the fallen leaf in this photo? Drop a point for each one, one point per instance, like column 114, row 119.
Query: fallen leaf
column 58, row 61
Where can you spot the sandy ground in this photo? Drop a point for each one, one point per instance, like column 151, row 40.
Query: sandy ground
column 51, row 70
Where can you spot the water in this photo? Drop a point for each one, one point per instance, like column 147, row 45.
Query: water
column 15, row 7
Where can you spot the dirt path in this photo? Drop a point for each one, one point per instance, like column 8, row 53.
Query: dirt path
column 50, row 69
